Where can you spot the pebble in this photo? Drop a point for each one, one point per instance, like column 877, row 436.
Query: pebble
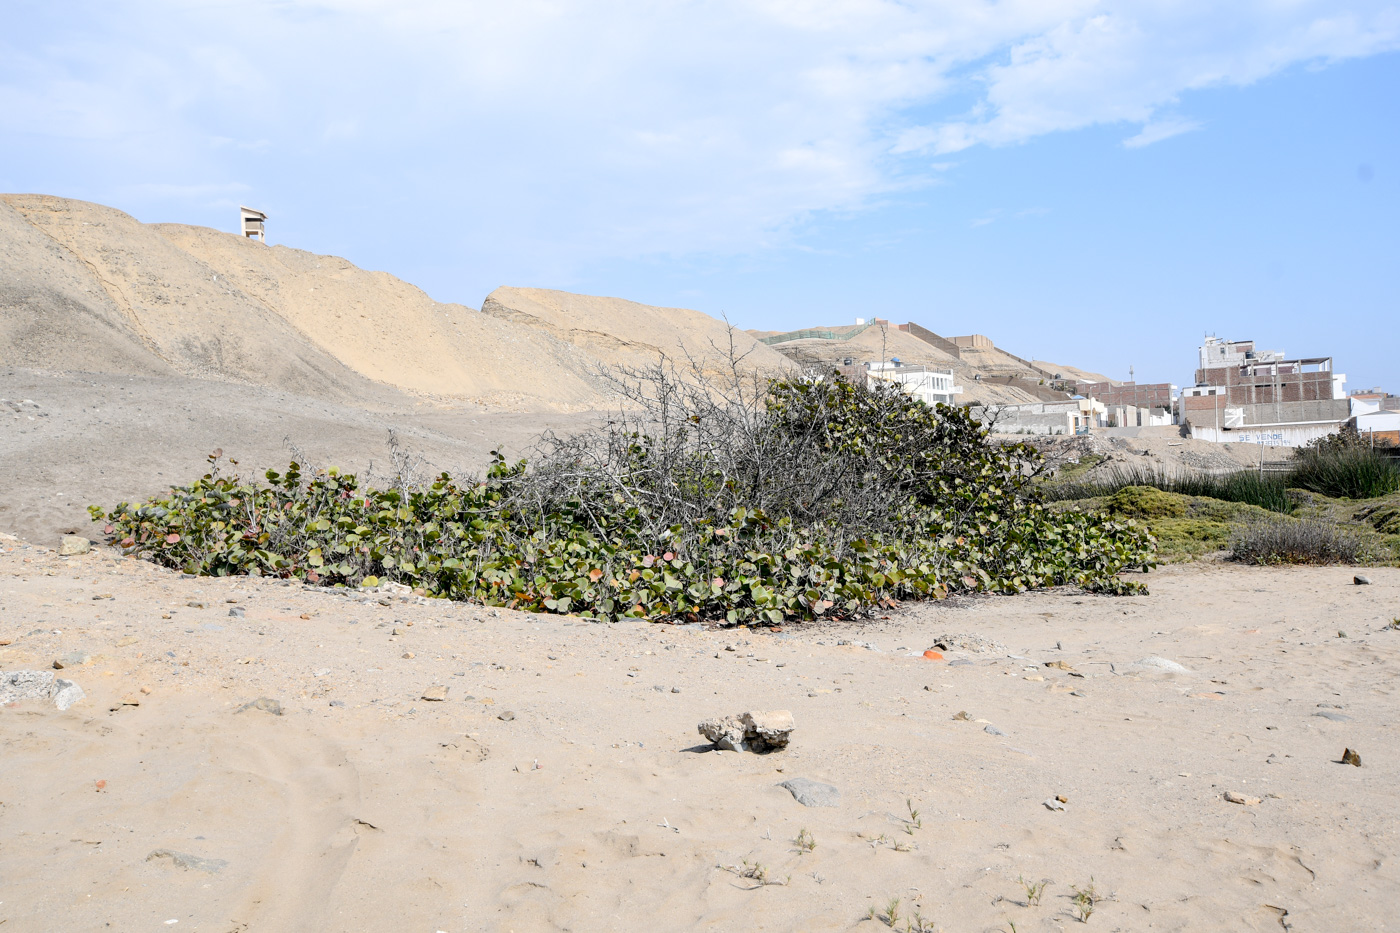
column 73, row 545
column 1158, row 665
column 72, row 659
column 1350, row 757
column 266, row 704
column 237, row 612
column 1335, row 717
column 1242, row 799
column 436, row 693
column 961, row 716
column 1052, row 803
column 675, row 689
column 188, row 862
column 1361, row 580
column 811, row 793
column 992, row 730
column 506, row 716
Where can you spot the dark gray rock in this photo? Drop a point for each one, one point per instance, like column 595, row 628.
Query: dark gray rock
column 1361, row 580
column 811, row 793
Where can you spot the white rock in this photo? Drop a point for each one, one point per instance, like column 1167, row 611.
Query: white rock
column 38, row 685
column 756, row 731
column 1156, row 665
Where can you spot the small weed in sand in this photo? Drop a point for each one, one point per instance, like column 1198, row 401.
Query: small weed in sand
column 890, row 917
column 804, row 841
column 915, row 821
column 1085, row 900
column 754, row 871
column 1394, row 625
column 1035, row 890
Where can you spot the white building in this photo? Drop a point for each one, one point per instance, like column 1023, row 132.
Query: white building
column 931, row 386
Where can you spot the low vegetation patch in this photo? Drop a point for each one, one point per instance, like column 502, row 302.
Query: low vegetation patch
column 1297, row 541
column 752, row 502
column 1267, row 490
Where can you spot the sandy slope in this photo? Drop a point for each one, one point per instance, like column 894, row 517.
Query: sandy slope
column 392, row 332
column 1073, row 372
column 594, row 808
column 69, row 441
column 172, row 303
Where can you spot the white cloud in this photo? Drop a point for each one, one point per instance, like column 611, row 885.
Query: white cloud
column 610, row 128
column 1158, row 130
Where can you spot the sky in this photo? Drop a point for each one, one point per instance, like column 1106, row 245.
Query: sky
column 1093, row 182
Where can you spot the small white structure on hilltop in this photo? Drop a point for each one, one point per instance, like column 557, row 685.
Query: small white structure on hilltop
column 253, row 223
column 930, row 386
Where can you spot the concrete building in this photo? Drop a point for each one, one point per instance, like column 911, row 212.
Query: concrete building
column 1072, row 416
column 253, row 223
column 1140, row 395
column 1245, row 395
column 1380, row 425
column 1384, row 399
column 931, row 386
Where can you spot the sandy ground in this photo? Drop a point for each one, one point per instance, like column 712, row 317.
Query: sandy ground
column 73, row 440
column 561, row 784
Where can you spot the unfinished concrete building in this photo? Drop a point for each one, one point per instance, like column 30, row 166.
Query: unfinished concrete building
column 1260, row 397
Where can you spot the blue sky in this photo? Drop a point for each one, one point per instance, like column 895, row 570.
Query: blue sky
column 1096, row 182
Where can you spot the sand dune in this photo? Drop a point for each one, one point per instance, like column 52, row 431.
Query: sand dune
column 85, row 288
column 617, row 331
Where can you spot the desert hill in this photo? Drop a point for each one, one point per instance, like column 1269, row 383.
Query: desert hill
column 621, row 332
column 88, row 288
column 1074, row 373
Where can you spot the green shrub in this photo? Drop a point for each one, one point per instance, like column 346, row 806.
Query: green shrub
column 790, row 500
column 1146, row 502
column 1296, row 541
column 1345, row 472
